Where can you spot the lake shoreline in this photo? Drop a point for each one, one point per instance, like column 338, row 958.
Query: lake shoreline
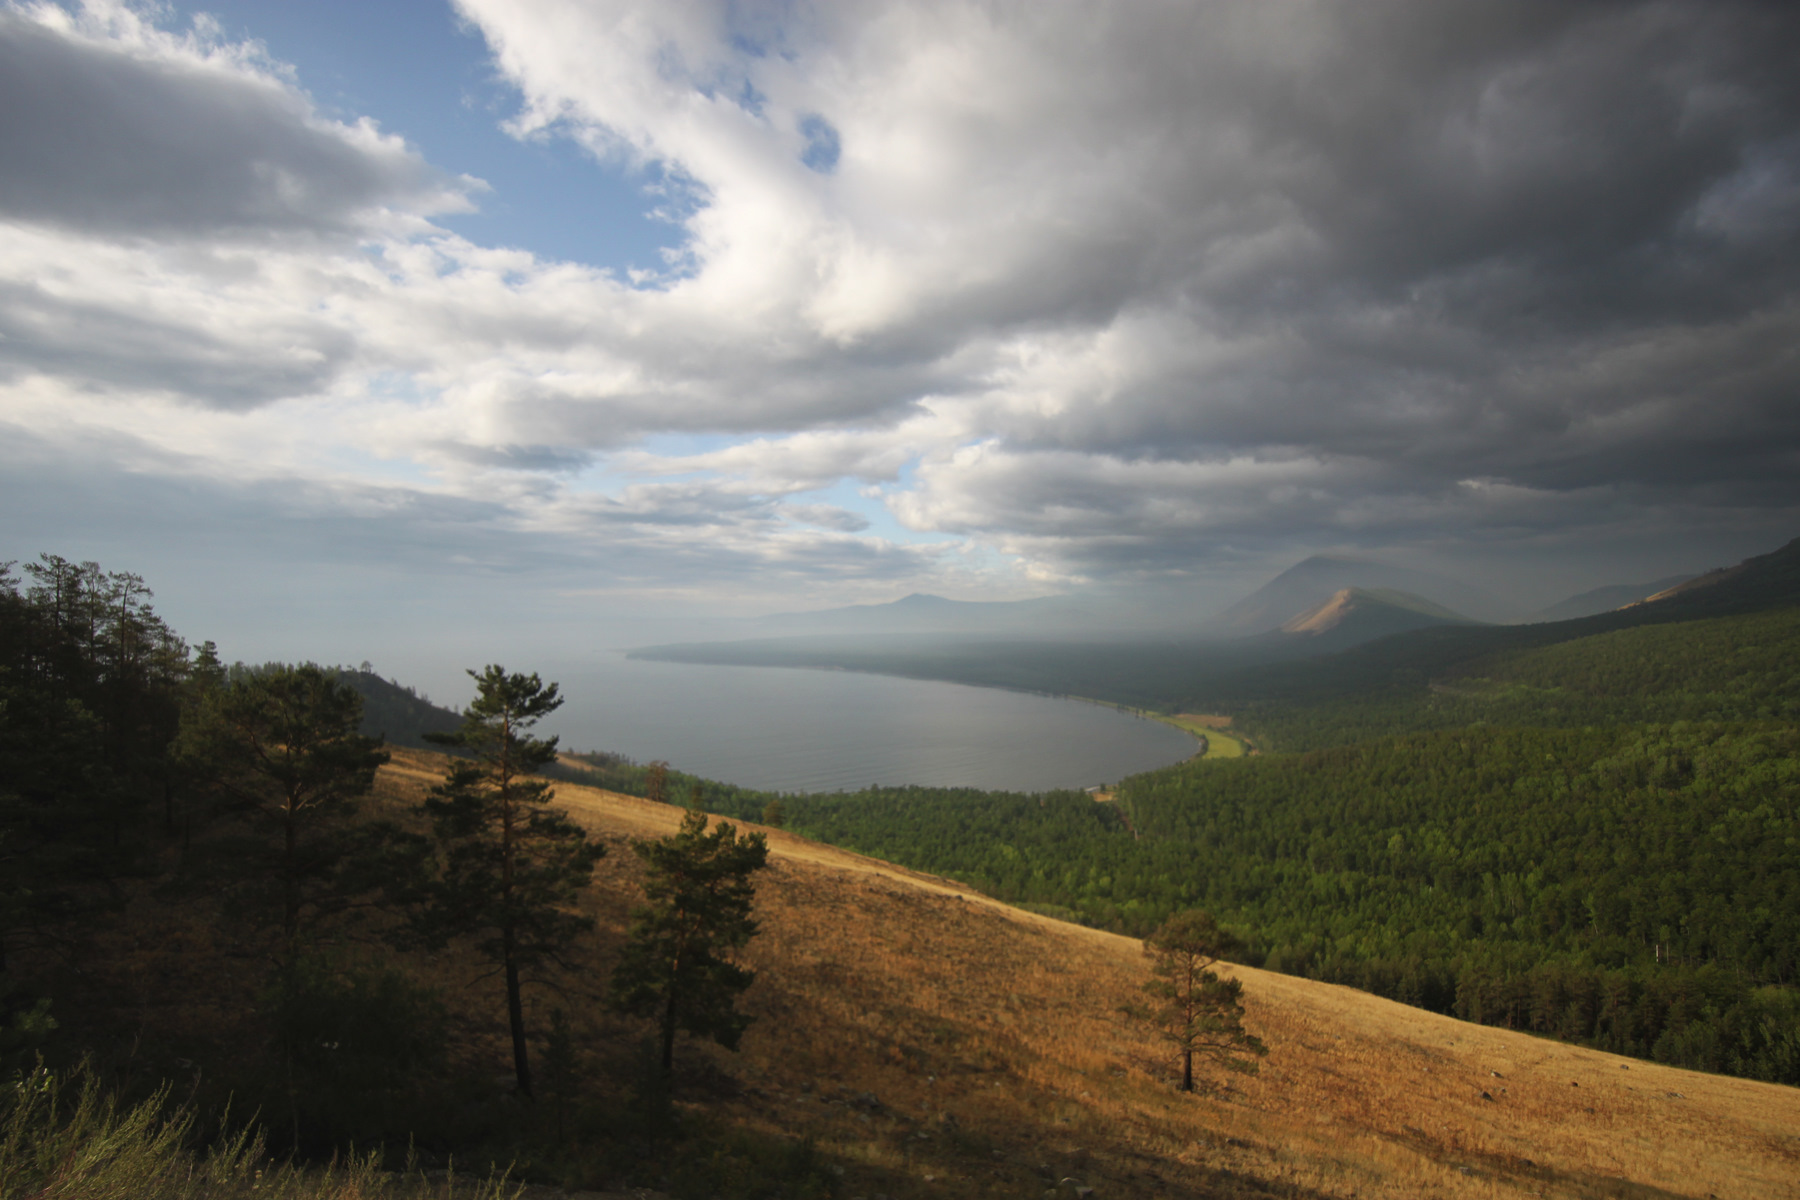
column 812, row 730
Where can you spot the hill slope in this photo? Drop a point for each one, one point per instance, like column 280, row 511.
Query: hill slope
column 1605, row 599
column 396, row 712
column 937, row 1035
column 1356, row 615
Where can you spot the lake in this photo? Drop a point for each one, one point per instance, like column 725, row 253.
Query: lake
column 790, row 730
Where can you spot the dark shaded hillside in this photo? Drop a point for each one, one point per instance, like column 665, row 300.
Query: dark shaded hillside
column 1606, row 599
column 396, row 712
column 1720, row 669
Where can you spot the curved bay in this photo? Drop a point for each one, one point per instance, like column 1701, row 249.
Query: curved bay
column 784, row 729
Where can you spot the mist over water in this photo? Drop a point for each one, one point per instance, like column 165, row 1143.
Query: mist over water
column 782, row 729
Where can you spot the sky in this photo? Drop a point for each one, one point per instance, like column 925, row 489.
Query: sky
column 422, row 327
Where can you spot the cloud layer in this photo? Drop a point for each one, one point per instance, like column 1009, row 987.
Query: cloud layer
column 972, row 296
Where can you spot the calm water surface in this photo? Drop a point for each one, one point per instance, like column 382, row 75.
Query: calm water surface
column 790, row 730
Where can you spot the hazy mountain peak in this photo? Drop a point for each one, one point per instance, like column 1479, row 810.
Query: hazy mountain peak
column 1379, row 608
column 1315, row 581
column 1346, row 603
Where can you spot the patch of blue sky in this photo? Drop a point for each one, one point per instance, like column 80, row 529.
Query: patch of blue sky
column 822, row 144
column 414, row 68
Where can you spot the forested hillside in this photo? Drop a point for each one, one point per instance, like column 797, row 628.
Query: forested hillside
column 1635, row 888
column 1714, row 669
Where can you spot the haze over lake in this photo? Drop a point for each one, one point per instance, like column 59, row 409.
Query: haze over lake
column 818, row 731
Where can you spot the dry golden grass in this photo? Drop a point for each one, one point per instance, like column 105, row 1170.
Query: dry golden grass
column 922, row 1032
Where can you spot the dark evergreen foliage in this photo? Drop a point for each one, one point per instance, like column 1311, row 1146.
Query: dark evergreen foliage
column 90, row 688
column 676, row 968
column 280, row 752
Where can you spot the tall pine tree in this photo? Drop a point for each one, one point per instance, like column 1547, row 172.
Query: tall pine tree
column 511, row 868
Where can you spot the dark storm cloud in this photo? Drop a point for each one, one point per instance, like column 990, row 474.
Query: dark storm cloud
column 111, row 139
column 1554, row 246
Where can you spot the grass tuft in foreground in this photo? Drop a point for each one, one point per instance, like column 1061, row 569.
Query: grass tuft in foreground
column 62, row 1137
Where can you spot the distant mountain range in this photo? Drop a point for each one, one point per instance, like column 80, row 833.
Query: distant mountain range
column 924, row 613
column 1334, row 601
column 1294, row 593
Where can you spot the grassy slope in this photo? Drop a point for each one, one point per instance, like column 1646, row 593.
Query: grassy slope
column 887, row 999
column 1219, row 742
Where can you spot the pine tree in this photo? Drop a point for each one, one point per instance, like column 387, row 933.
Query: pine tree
column 511, row 867
column 282, row 752
column 675, row 969
column 1195, row 1009
column 88, row 680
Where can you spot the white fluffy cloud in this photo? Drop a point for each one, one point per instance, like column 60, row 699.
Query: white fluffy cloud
column 1106, row 292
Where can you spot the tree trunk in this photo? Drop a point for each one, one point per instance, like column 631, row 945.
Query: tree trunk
column 290, row 890
column 668, row 1033
column 1187, row 1070
column 515, row 1005
column 515, row 1015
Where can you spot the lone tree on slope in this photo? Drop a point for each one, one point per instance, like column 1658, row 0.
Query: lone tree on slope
column 511, row 867
column 1196, row 1010
column 675, row 969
